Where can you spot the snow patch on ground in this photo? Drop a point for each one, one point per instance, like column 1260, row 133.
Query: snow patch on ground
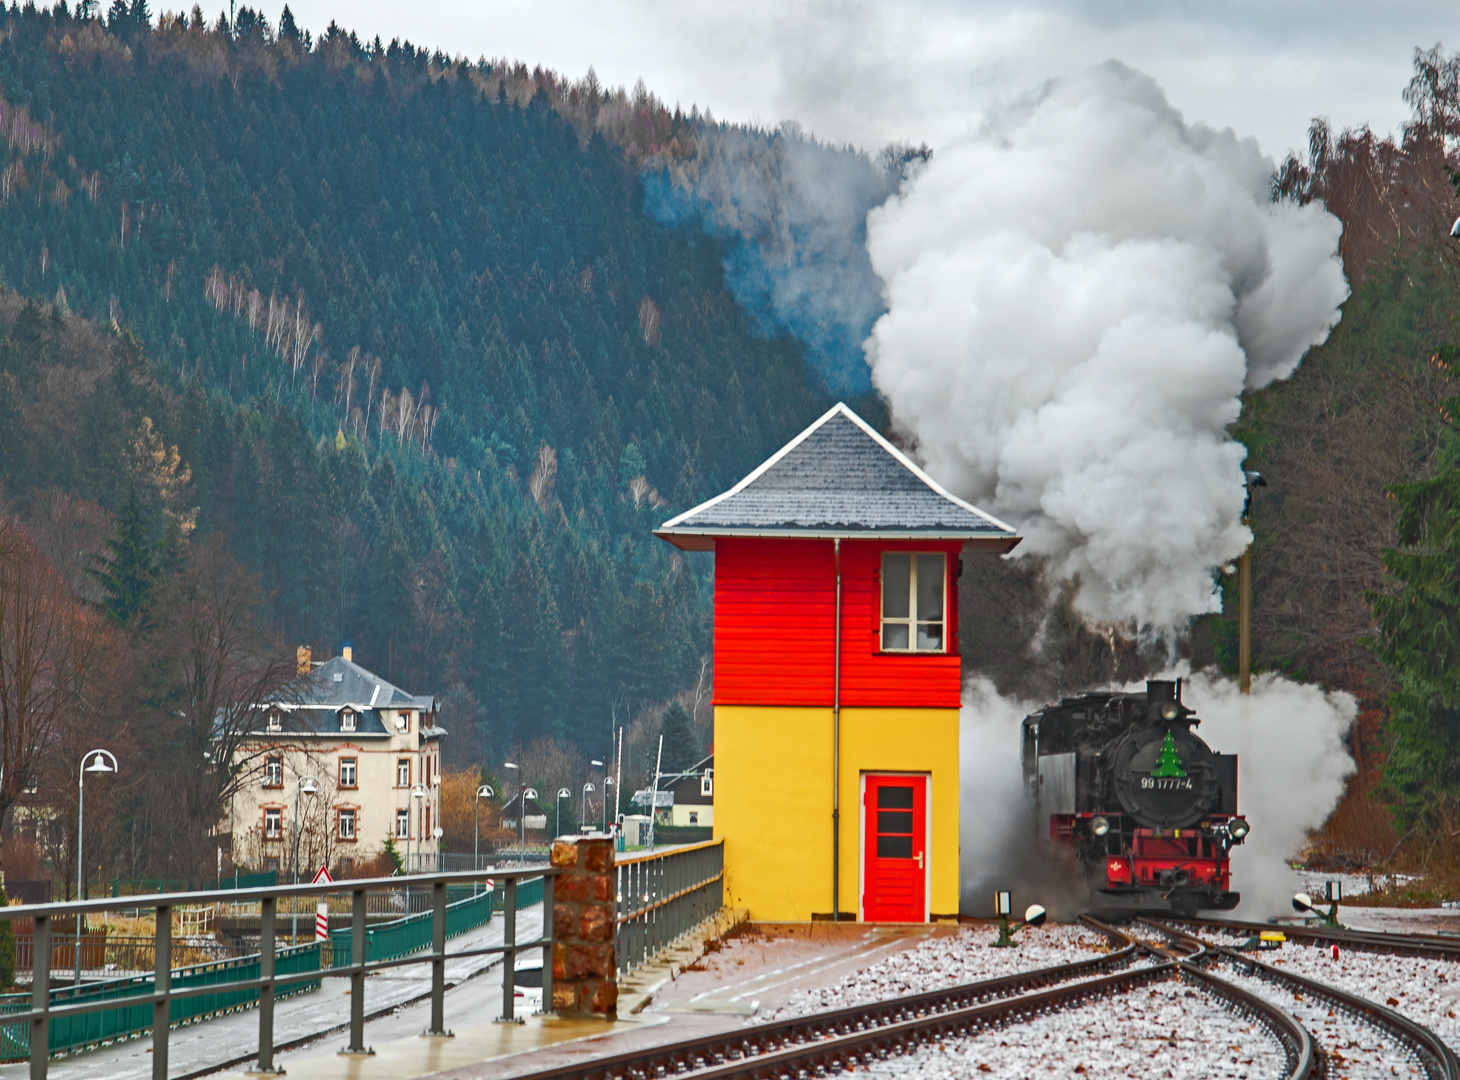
column 1426, row 991
column 1354, row 1048
column 942, row 962
column 1165, row 1029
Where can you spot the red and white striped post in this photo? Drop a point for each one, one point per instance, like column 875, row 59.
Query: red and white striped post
column 322, row 921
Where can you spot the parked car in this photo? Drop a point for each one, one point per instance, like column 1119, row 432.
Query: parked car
column 527, row 981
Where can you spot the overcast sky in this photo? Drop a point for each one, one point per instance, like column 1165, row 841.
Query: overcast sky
column 923, row 70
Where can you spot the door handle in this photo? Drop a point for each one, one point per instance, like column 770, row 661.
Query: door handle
column 920, row 860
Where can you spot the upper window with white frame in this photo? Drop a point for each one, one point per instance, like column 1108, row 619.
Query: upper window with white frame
column 914, row 585
column 348, row 777
column 273, row 772
column 347, row 823
column 403, row 772
column 347, row 719
column 273, row 823
column 275, row 720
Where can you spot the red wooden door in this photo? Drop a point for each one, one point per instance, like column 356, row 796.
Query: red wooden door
column 894, row 824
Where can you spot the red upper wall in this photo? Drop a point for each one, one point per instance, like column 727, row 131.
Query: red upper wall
column 775, row 603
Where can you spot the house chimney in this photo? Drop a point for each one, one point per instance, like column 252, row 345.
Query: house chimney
column 302, row 656
column 348, row 653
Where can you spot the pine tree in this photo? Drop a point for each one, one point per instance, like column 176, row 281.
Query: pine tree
column 129, row 570
column 1168, row 764
column 680, row 751
column 1419, row 624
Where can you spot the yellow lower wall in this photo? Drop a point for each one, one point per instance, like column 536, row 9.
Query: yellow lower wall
column 773, row 801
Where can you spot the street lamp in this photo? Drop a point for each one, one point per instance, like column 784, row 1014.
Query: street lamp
column 563, row 793
column 527, row 793
column 417, row 792
column 513, row 765
column 101, row 761
column 582, row 817
column 306, row 786
column 483, row 792
column 438, row 832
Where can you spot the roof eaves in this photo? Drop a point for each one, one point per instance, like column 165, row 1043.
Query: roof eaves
column 839, row 407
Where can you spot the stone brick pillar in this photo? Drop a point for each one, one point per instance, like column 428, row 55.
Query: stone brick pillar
column 585, row 971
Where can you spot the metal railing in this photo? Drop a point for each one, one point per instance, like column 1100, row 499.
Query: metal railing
column 170, row 994
column 662, row 894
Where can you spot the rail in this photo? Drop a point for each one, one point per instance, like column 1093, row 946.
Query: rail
column 1436, row 1057
column 169, row 994
column 823, row 1043
column 662, row 894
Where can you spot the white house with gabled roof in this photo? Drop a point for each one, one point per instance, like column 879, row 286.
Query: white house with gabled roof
column 373, row 752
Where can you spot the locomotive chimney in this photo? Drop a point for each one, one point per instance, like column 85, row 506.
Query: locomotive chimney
column 1160, row 690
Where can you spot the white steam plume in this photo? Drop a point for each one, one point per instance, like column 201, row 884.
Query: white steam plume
column 1077, row 297
column 1291, row 768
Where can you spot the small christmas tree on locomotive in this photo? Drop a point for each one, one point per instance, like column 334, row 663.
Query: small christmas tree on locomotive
column 1148, row 808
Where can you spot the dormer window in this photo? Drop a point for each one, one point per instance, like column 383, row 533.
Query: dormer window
column 707, row 783
column 912, row 602
column 347, row 719
column 275, row 720
column 403, row 721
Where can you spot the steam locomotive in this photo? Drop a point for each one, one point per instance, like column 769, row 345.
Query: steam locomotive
column 1148, row 810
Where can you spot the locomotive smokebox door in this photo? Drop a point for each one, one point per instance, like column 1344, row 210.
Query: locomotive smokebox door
column 1056, row 789
column 1166, row 777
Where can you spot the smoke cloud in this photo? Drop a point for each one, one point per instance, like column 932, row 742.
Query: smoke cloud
column 794, row 213
column 1291, row 769
column 1292, row 765
column 1077, row 296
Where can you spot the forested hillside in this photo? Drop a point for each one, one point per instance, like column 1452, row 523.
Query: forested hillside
column 423, row 362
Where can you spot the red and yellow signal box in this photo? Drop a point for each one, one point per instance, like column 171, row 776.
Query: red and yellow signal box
column 837, row 676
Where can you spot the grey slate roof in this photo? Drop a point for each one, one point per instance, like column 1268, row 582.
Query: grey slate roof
column 838, row 478
column 339, row 683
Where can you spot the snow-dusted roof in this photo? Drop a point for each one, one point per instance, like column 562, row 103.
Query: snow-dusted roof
column 838, row 478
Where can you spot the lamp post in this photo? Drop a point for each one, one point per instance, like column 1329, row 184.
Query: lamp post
column 417, row 792
column 583, row 816
column 527, row 793
column 563, row 793
column 483, row 792
column 438, row 832
column 587, row 788
column 608, row 783
column 101, row 761
column 307, row 786
column 511, row 765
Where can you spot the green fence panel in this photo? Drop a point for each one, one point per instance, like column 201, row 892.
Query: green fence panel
column 148, row 886
column 91, row 1029
column 412, row 933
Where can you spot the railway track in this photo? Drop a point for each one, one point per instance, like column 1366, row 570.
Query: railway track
column 1433, row 1054
column 828, row 1042
column 1427, row 946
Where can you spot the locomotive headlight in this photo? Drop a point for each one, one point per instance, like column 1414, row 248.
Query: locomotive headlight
column 1099, row 825
column 1238, row 827
column 1169, row 711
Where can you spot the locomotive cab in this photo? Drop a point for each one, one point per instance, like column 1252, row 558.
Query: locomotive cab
column 1149, row 810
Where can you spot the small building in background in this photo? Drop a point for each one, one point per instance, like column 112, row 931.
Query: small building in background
column 837, row 677
column 692, row 795
column 373, row 752
column 537, row 818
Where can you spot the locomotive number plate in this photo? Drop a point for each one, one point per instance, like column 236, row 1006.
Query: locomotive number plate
column 1167, row 783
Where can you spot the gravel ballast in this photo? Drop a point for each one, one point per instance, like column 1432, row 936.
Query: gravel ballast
column 1165, row 1029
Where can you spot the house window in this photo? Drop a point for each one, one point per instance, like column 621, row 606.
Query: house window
column 347, row 720
column 347, row 865
column 347, row 772
column 694, row 817
column 273, row 823
column 271, row 864
column 403, row 772
column 273, row 772
column 403, row 721
column 347, row 824
column 912, row 602
column 275, row 720
column 427, row 830
column 707, row 784
column 428, row 772
column 402, row 824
